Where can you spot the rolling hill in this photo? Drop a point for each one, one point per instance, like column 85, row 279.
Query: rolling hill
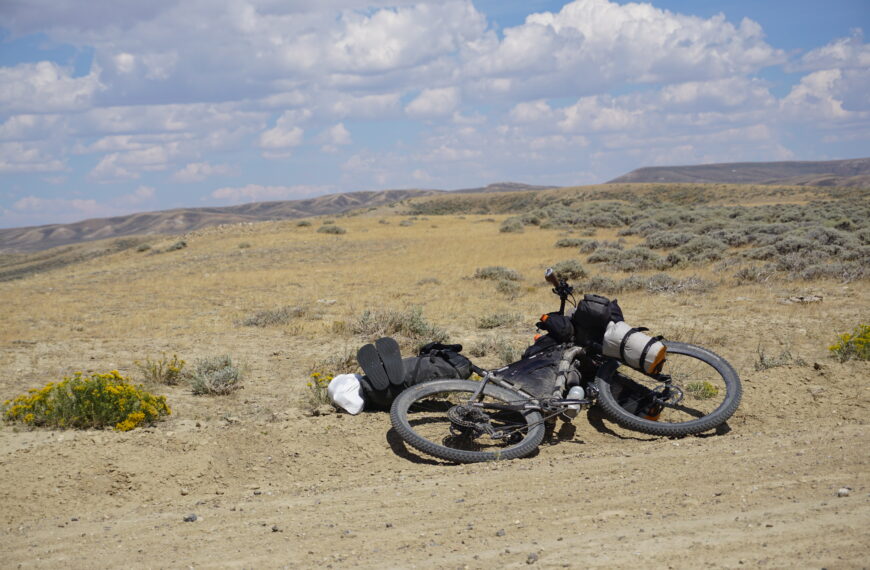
column 852, row 172
column 181, row 220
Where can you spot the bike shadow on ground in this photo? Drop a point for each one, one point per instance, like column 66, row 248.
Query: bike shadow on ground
column 403, row 450
column 596, row 420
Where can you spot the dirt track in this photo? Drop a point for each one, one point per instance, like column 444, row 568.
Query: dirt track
column 274, row 487
column 271, row 488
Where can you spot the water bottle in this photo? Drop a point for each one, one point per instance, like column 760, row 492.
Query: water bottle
column 575, row 393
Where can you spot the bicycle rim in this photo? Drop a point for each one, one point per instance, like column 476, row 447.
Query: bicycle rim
column 433, row 417
column 705, row 392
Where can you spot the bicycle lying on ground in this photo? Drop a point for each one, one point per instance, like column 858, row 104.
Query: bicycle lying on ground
column 500, row 417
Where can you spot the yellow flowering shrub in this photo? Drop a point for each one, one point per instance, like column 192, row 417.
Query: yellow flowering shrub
column 165, row 370
column 96, row 401
column 317, row 384
column 852, row 345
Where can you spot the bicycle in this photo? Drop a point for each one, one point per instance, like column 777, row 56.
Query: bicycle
column 468, row 421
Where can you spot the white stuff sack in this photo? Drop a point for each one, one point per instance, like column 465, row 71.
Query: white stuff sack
column 633, row 347
column 345, row 391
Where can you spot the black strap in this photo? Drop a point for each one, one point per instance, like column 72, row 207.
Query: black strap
column 625, row 340
column 643, row 353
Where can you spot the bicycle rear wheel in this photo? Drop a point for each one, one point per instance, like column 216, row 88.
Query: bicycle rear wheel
column 436, row 418
column 705, row 392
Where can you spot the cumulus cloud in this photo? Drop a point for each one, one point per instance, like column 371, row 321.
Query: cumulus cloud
column 18, row 157
column 199, row 171
column 434, row 103
column 410, row 91
column 590, row 45
column 334, row 137
column 45, row 87
column 848, row 52
column 283, row 136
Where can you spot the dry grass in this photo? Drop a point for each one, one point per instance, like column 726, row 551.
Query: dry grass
column 109, row 310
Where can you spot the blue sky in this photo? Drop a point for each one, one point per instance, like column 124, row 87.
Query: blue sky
column 136, row 106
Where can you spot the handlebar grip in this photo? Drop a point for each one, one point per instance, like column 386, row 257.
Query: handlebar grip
column 551, row 278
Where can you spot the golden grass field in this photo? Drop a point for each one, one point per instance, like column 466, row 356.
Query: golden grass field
column 340, row 490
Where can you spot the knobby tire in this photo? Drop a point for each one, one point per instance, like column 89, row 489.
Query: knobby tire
column 715, row 375
column 421, row 434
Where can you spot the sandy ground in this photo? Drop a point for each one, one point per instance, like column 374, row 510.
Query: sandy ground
column 272, row 486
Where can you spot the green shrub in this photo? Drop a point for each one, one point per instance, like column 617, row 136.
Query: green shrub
column 167, row 371
column 785, row 358
column 505, row 351
column 702, row 248
column 852, row 345
column 216, row 375
column 510, row 289
column 569, row 269
column 753, row 274
column 496, row 273
column 702, row 390
column 511, row 225
column 604, row 255
column 143, row 247
column 279, row 316
column 181, row 244
column 303, row 223
column 409, row 324
column 244, row 245
column 496, row 320
column 87, row 402
column 329, row 229
column 572, row 242
column 316, row 394
column 667, row 239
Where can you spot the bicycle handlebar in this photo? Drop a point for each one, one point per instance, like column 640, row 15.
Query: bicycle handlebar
column 551, row 278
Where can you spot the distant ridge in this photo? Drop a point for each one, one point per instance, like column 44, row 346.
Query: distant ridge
column 181, row 220
column 851, row 172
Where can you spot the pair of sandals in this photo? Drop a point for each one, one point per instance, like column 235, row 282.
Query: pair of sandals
column 382, row 363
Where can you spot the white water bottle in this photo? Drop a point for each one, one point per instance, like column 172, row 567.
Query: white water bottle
column 575, row 393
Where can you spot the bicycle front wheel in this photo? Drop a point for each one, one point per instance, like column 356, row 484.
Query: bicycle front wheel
column 704, row 392
column 439, row 419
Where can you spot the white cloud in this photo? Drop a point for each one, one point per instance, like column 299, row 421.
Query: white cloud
column 391, row 39
column 31, row 127
column 284, row 135
column 841, row 53
column 590, row 45
column 27, row 157
column 45, row 87
column 816, row 97
column 434, row 103
column 199, row 171
column 139, row 196
column 334, row 137
column 258, row 193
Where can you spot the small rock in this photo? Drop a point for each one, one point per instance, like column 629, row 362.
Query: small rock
column 190, row 518
column 184, row 491
column 500, row 532
column 389, row 525
column 844, row 491
column 275, row 528
column 533, row 557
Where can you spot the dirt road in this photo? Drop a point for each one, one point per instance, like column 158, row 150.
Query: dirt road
column 271, row 487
